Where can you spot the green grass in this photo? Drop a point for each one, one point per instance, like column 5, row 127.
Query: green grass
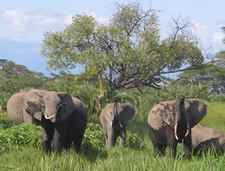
column 28, row 158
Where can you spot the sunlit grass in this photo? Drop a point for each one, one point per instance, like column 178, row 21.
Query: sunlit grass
column 29, row 158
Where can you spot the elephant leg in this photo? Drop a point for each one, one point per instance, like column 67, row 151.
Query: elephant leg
column 77, row 145
column 159, row 149
column 187, row 145
column 171, row 141
column 57, row 144
column 47, row 138
column 123, row 136
column 78, row 141
column 46, row 143
column 105, row 135
column 111, row 140
column 173, row 149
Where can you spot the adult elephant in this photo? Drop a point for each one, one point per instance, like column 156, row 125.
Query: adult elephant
column 16, row 110
column 114, row 119
column 206, row 139
column 62, row 117
column 170, row 123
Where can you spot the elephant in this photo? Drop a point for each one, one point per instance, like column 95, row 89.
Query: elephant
column 170, row 123
column 62, row 117
column 205, row 139
column 114, row 119
column 16, row 107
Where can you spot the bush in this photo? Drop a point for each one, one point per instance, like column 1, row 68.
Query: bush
column 19, row 135
column 94, row 138
column 16, row 136
column 134, row 141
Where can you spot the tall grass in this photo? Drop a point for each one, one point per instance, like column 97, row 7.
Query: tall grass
column 28, row 158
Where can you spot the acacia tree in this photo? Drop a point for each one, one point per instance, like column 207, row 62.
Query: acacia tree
column 126, row 53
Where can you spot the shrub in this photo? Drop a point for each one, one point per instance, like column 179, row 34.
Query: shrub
column 19, row 135
column 134, row 141
column 93, row 137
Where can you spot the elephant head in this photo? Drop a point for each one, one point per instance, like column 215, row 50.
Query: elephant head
column 33, row 104
column 182, row 125
column 188, row 114
column 47, row 104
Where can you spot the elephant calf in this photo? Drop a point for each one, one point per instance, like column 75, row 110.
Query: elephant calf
column 205, row 139
column 170, row 123
column 114, row 118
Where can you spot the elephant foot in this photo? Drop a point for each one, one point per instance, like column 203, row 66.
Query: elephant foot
column 159, row 150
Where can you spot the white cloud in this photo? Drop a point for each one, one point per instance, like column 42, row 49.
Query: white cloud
column 100, row 19
column 68, row 19
column 27, row 25
column 217, row 40
column 30, row 25
column 208, row 40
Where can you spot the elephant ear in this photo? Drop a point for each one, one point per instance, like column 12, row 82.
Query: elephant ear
column 196, row 111
column 66, row 107
column 126, row 112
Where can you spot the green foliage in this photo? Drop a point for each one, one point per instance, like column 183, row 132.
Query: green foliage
column 125, row 53
column 93, row 137
column 119, row 158
column 134, row 141
column 207, row 82
column 15, row 77
column 18, row 135
column 73, row 85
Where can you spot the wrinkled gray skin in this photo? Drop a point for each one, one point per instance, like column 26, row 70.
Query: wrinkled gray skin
column 114, row 119
column 170, row 123
column 16, row 106
column 62, row 117
column 205, row 139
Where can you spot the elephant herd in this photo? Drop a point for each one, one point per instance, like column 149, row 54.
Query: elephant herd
column 63, row 120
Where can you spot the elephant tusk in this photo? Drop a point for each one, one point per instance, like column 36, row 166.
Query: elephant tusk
column 49, row 117
column 187, row 133
column 175, row 132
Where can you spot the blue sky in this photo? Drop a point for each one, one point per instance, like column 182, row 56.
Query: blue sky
column 23, row 23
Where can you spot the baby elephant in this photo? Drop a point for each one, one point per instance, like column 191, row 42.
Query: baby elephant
column 205, row 139
column 114, row 118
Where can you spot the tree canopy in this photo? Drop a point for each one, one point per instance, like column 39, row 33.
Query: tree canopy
column 127, row 52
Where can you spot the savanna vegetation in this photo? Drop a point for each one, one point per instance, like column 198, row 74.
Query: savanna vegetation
column 126, row 57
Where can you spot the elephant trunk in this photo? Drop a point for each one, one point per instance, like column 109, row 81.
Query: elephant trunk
column 182, row 125
column 50, row 113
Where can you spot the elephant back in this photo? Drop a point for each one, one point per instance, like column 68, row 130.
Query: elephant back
column 15, row 107
column 202, row 134
column 79, row 106
column 204, row 138
column 71, row 105
column 196, row 110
